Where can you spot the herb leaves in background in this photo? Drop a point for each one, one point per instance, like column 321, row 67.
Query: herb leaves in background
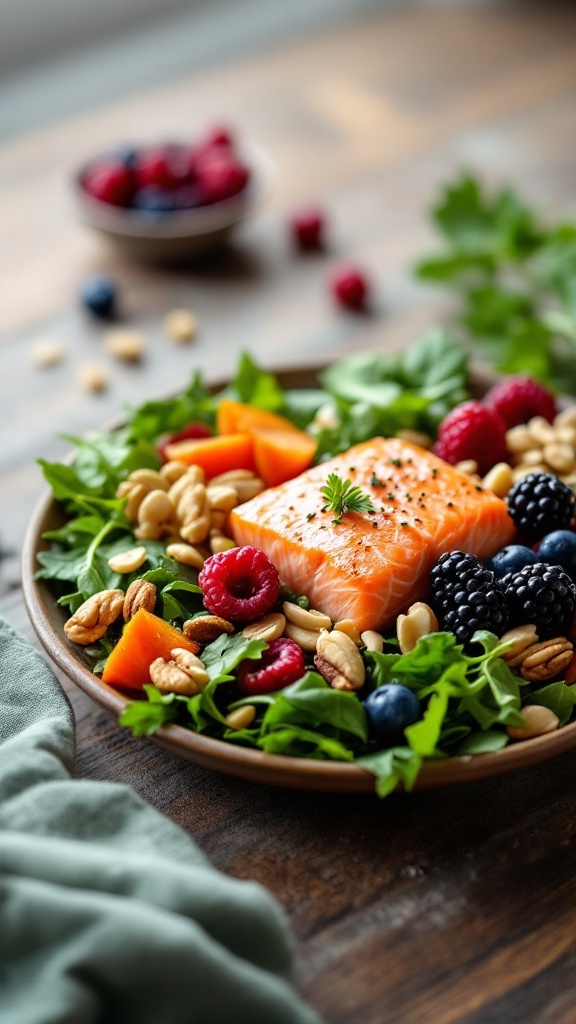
column 514, row 277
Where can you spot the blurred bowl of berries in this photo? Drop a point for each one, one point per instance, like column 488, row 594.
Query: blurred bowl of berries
column 175, row 200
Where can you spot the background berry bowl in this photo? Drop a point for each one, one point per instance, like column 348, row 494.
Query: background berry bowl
column 174, row 234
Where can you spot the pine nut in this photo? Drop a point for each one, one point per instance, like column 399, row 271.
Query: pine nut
column 196, row 531
column 468, row 466
column 180, row 325
column 560, row 457
column 566, row 435
column 193, row 475
column 533, row 457
column 124, row 344
column 519, row 439
column 93, row 377
column 499, row 479
column 128, row 561
column 305, row 638
column 149, row 478
column 566, row 418
column 136, row 496
column 269, row 628
column 372, row 641
column 351, row 630
column 306, row 618
column 48, row 353
column 521, row 471
column 220, row 543
column 221, row 498
column 241, row 718
column 218, row 521
column 149, row 531
column 540, row 430
column 538, row 720
column 186, row 554
column 172, row 471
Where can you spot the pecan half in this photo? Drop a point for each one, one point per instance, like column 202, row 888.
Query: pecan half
column 338, row 660
column 546, row 660
column 140, row 594
column 93, row 617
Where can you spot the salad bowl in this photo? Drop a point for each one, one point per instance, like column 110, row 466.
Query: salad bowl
column 257, row 766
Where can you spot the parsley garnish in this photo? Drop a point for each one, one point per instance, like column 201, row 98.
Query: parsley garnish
column 375, row 481
column 342, row 497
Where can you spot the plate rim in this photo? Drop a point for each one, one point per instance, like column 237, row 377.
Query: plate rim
column 245, row 762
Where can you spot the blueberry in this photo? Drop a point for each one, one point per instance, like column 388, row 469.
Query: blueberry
column 389, row 710
column 512, row 559
column 152, row 199
column 99, row 295
column 126, row 155
column 559, row 548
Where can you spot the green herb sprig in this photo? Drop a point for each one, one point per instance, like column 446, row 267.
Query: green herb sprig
column 342, row 497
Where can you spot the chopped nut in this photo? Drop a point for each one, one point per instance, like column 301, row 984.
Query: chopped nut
column 193, row 475
column 269, row 628
column 519, row 439
column 339, row 662
column 140, row 594
column 540, row 430
column 128, row 561
column 125, row 344
column 155, row 508
column 241, row 718
column 351, row 630
column 246, row 484
column 545, row 660
column 306, row 618
column 307, row 639
column 149, row 478
column 48, row 353
column 197, row 531
column 560, row 457
column 180, row 325
column 186, row 554
column 192, row 503
column 206, row 628
column 468, row 466
column 418, row 622
column 522, row 638
column 172, row 471
column 221, row 497
column 566, row 435
column 533, row 457
column 499, row 479
column 567, row 417
column 91, row 620
column 93, row 377
column 372, row 641
column 538, row 720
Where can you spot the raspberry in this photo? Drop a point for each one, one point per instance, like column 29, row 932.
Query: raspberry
column 349, row 287
column 281, row 664
column 307, row 227
column 193, row 430
column 110, row 181
column 518, row 399
column 220, row 176
column 163, row 168
column 472, row 431
column 240, row 584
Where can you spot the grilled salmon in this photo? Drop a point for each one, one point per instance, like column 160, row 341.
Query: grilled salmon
column 371, row 566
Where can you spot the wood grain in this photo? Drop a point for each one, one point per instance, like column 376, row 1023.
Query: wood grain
column 454, row 907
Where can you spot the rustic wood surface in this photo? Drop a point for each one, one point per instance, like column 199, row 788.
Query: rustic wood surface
column 454, row 907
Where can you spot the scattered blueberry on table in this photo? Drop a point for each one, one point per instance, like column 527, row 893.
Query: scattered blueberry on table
column 99, row 295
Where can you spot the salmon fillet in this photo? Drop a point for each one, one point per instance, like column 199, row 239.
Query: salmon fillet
column 369, row 568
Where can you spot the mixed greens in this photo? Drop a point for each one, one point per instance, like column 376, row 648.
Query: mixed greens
column 514, row 277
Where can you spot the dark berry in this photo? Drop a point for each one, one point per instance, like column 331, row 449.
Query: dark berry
column 540, row 503
column 350, row 288
column 193, row 430
column 511, row 559
column 99, row 297
column 543, row 595
column 281, row 664
column 110, row 181
column 467, row 596
column 471, row 431
column 518, row 399
column 389, row 711
column 153, row 200
column 241, row 584
column 125, row 155
column 307, row 228
column 559, row 548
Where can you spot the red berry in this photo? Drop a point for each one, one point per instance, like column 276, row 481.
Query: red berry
column 166, row 167
column 307, row 227
column 349, row 287
column 281, row 664
column 217, row 136
column 191, row 431
column 472, row 431
column 240, row 584
column 518, row 399
column 220, row 177
column 111, row 182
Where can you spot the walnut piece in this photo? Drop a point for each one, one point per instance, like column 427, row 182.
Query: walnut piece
column 93, row 617
column 140, row 594
column 184, row 674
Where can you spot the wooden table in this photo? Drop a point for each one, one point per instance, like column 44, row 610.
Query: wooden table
column 454, row 906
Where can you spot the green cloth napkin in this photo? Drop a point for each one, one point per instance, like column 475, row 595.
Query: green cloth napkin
column 108, row 911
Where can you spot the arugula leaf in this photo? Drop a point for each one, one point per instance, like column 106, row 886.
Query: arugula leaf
column 483, row 743
column 144, row 717
column 256, row 386
column 298, row 742
column 560, row 698
column 391, row 767
column 152, row 419
column 311, row 702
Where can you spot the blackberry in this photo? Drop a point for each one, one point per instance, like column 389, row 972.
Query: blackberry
column 540, row 503
column 466, row 596
column 543, row 595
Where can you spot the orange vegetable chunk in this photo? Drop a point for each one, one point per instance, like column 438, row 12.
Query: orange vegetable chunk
column 237, row 417
column 145, row 638
column 280, row 455
column 215, row 454
column 369, row 568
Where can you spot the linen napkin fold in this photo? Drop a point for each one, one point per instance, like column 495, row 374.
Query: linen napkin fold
column 108, row 911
